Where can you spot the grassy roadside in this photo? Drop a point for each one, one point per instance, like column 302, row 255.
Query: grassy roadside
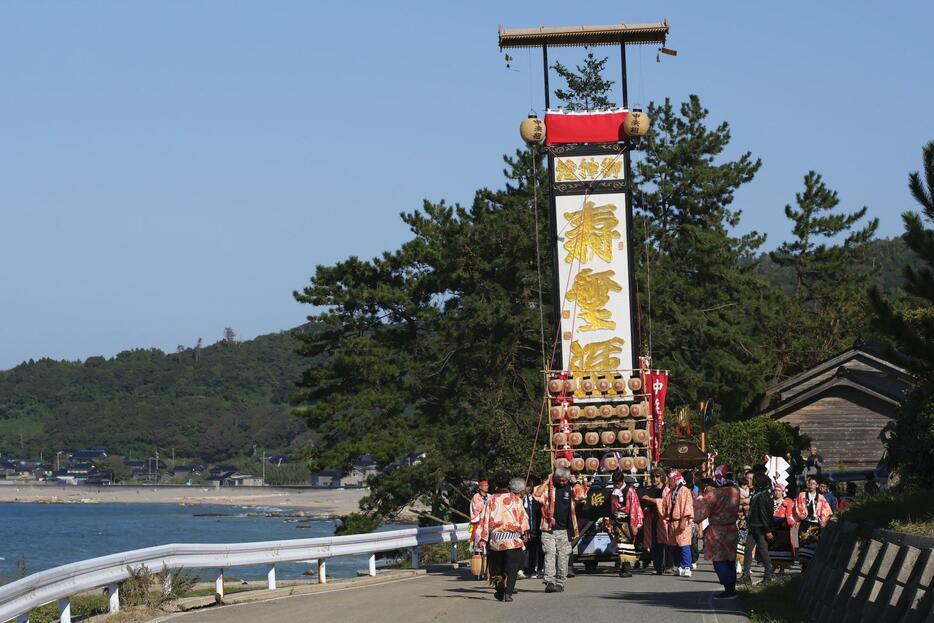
column 905, row 510
column 774, row 602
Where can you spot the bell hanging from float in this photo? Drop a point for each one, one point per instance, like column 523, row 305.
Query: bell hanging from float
column 532, row 130
column 636, row 123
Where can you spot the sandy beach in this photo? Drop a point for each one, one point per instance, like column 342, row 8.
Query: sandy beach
column 313, row 501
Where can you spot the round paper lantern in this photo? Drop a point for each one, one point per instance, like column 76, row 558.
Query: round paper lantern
column 608, row 437
column 532, row 129
column 622, row 410
column 624, row 437
column 587, row 385
column 636, row 123
column 626, row 464
column 562, row 462
column 592, row 464
column 559, row 439
column 577, row 464
column 642, row 463
column 554, row 386
column 611, row 463
column 635, row 384
column 575, row 439
column 556, row 412
column 574, row 413
column 603, row 386
column 641, row 436
column 568, row 387
column 606, row 411
column 619, row 386
column 591, row 438
column 590, row 412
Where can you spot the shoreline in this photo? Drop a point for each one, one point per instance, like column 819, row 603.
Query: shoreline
column 320, row 502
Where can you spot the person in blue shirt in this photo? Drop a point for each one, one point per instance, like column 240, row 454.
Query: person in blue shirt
column 826, row 489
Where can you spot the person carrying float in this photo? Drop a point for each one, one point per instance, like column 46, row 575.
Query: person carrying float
column 503, row 532
column 812, row 512
column 720, row 507
column 627, row 519
column 677, row 506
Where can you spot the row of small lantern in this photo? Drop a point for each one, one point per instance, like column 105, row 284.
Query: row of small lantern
column 610, row 463
column 592, row 412
column 607, row 438
column 619, row 386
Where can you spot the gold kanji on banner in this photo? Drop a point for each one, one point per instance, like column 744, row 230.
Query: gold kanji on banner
column 596, row 356
column 565, row 170
column 588, row 168
column 592, row 230
column 592, row 292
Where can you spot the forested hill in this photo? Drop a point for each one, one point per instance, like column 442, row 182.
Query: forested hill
column 214, row 402
column 887, row 255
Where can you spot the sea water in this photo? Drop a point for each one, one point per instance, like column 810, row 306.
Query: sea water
column 48, row 535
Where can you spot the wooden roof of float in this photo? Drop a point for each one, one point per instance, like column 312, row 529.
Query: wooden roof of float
column 609, row 34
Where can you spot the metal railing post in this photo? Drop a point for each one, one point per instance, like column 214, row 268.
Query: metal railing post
column 113, row 595
column 219, row 584
column 454, row 553
column 64, row 610
column 372, row 565
column 23, row 618
column 271, row 577
column 322, row 571
column 414, row 554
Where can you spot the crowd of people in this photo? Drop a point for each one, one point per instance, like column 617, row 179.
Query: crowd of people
column 528, row 529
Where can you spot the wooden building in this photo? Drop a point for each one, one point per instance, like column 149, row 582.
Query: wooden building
column 843, row 404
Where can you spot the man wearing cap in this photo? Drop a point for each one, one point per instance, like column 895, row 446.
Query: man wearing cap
column 627, row 519
column 558, row 527
column 720, row 506
column 477, row 506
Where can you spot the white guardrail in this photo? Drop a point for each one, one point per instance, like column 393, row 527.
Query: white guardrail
column 60, row 583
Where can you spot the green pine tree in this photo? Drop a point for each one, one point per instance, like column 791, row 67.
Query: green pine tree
column 704, row 314
column 911, row 326
column 827, row 306
column 587, row 88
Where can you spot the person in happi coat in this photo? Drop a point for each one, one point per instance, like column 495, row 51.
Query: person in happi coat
column 677, row 506
column 558, row 527
column 720, row 507
column 812, row 512
column 655, row 526
column 477, row 507
column 504, row 530
column 783, row 520
column 627, row 519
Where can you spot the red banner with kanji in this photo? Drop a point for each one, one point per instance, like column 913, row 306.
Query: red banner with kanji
column 656, row 384
column 584, row 127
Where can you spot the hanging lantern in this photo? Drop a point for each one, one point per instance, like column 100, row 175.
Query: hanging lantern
column 635, row 384
column 625, row 437
column 577, row 464
column 608, row 437
column 556, row 412
column 587, row 385
column 622, row 411
column 626, row 464
column 554, row 386
column 562, row 462
column 642, row 463
column 591, row 438
column 635, row 411
column 532, row 130
column 590, row 412
column 619, row 386
column 606, row 411
column 636, row 123
column 568, row 386
column 641, row 436
column 575, row 439
column 559, row 439
column 592, row 464
column 611, row 463
column 574, row 413
column 603, row 386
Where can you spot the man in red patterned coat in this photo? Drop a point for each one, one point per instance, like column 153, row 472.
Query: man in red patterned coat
column 504, row 531
column 720, row 506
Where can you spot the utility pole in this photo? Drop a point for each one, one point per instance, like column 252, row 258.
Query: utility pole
column 264, row 467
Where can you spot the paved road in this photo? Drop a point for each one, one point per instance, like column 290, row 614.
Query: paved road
column 455, row 597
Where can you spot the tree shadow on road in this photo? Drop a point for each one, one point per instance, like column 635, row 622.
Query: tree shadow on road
column 675, row 599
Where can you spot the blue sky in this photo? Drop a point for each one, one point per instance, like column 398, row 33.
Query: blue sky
column 171, row 168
